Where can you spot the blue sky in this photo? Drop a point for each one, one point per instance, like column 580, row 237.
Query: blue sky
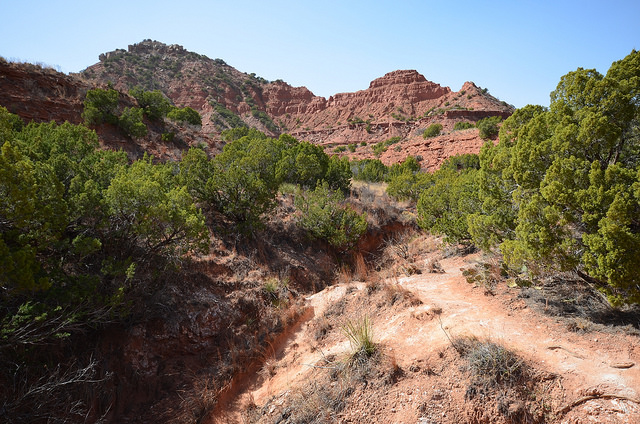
column 516, row 49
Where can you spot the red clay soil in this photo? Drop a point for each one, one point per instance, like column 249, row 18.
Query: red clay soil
column 579, row 377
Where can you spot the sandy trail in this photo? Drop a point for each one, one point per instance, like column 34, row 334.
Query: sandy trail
column 584, row 360
column 593, row 362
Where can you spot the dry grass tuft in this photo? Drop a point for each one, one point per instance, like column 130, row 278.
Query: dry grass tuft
column 360, row 336
column 489, row 363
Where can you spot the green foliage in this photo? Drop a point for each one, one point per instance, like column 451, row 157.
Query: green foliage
column 239, row 132
column 379, row 149
column 131, row 122
column 185, row 114
column 148, row 210
column 352, row 147
column 75, row 223
column 168, row 136
column 410, row 165
column 265, row 119
column 460, row 162
column 489, row 127
column 559, row 191
column 405, row 181
column 382, row 147
column 225, row 118
column 432, row 130
column 444, row 206
column 101, row 106
column 462, row 126
column 339, row 174
column 372, row 170
column 244, row 180
column 409, row 185
column 325, row 216
column 304, row 164
column 154, row 104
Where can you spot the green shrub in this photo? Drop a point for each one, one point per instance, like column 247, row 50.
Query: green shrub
column 131, row 122
column 185, row 114
column 379, row 149
column 432, row 130
column 325, row 216
column 372, row 170
column 101, row 106
column 168, row 136
column 489, row 127
column 352, row 147
column 462, row 126
column 461, row 162
column 154, row 104
column 444, row 206
column 224, row 118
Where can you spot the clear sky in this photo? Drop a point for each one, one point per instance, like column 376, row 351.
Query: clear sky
column 518, row 49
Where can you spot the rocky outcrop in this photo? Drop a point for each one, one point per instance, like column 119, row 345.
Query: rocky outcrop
column 41, row 94
column 399, row 104
column 38, row 94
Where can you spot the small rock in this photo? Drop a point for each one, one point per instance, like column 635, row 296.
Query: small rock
column 622, row 365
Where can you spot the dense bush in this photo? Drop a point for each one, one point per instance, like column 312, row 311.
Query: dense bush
column 325, row 216
column 243, row 180
column 185, row 114
column 489, row 127
column 101, row 106
column 154, row 104
column 304, row 164
column 561, row 189
column 80, row 229
column 462, row 126
column 432, row 130
column 131, row 122
column 444, row 206
column 372, row 170
column 460, row 162
column 406, row 182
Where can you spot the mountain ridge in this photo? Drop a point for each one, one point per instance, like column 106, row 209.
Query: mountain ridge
column 401, row 103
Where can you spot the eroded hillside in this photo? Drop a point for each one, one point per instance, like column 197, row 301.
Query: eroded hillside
column 399, row 104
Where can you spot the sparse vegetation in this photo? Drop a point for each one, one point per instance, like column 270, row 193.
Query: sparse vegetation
column 490, row 364
column 360, row 335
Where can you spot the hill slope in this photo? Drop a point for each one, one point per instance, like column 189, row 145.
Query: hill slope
column 401, row 103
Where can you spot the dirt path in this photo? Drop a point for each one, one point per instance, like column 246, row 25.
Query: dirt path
column 585, row 360
column 592, row 363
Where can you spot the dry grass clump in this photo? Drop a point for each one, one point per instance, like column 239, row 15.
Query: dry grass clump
column 401, row 253
column 489, row 363
column 486, row 274
column 360, row 336
column 433, row 266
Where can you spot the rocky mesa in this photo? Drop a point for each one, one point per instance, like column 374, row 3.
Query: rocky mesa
column 401, row 103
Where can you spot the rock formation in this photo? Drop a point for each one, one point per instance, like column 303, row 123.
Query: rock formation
column 399, row 104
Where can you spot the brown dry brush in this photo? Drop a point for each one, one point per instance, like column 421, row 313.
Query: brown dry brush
column 70, row 392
